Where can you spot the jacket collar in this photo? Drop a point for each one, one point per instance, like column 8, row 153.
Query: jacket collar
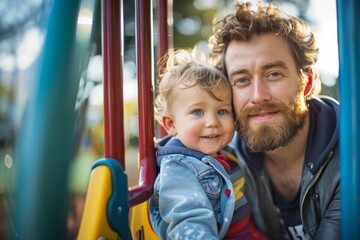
column 169, row 145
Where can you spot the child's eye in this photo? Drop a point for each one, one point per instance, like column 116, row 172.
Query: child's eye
column 197, row 112
column 222, row 112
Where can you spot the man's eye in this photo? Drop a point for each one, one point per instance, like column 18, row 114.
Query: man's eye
column 240, row 82
column 274, row 75
column 197, row 112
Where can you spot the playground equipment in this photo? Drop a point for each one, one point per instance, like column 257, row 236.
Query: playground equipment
column 42, row 166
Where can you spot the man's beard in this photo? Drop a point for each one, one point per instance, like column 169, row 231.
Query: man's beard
column 273, row 134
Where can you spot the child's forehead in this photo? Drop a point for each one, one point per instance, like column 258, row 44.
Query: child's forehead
column 196, row 81
column 221, row 90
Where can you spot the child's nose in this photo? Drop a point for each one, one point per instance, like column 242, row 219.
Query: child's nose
column 212, row 121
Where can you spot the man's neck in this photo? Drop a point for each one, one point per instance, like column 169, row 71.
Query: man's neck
column 284, row 164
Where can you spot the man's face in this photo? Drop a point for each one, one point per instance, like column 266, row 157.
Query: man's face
column 268, row 97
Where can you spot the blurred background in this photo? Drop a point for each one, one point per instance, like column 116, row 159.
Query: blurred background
column 23, row 27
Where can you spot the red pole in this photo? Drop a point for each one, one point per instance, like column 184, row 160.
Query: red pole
column 113, row 81
column 163, row 31
column 147, row 162
column 165, row 42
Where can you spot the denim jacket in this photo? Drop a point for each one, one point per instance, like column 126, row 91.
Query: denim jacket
column 189, row 200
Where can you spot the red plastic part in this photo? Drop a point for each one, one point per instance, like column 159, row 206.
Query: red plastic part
column 147, row 164
column 113, row 81
column 164, row 42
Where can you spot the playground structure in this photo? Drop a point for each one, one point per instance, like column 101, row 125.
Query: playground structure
column 42, row 166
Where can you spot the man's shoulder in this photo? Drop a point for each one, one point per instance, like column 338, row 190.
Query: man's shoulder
column 325, row 101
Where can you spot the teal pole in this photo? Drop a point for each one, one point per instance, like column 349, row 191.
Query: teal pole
column 349, row 79
column 44, row 144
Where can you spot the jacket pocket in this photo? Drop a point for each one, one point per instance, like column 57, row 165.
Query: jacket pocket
column 212, row 184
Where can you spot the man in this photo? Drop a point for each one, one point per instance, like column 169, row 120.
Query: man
column 288, row 135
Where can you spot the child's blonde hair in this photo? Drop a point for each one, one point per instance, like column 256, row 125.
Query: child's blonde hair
column 185, row 69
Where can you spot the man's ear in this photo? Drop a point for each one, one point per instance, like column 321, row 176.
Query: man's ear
column 309, row 83
column 169, row 125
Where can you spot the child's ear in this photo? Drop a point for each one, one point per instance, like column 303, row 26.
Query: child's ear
column 309, row 83
column 169, row 125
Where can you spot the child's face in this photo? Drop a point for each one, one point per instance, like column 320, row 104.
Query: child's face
column 200, row 121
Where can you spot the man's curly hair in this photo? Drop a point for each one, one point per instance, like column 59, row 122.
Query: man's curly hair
column 249, row 20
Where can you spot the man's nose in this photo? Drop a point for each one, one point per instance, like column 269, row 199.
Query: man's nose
column 260, row 91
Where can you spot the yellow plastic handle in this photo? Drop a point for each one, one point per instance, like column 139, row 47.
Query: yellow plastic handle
column 94, row 223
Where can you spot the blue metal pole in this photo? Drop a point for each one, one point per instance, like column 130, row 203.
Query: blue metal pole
column 349, row 79
column 44, row 145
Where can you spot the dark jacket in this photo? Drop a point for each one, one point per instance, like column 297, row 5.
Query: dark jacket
column 320, row 184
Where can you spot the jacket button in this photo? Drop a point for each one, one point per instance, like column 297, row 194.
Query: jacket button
column 227, row 192
column 310, row 166
column 315, row 196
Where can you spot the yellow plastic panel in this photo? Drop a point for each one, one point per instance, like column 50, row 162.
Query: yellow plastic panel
column 140, row 225
column 94, row 223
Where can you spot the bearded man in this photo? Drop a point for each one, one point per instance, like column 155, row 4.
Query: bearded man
column 288, row 134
